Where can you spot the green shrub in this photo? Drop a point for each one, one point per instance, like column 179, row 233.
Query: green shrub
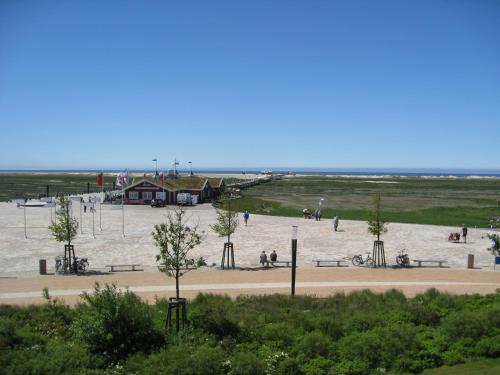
column 279, row 335
column 465, row 324
column 8, row 336
column 245, row 363
column 58, row 357
column 489, row 347
column 115, row 324
column 317, row 366
column 212, row 314
column 179, row 360
column 312, row 345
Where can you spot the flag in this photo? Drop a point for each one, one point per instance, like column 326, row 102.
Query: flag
column 99, row 179
column 125, row 177
column 118, row 181
column 162, row 178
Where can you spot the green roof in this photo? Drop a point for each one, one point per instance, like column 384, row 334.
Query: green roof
column 215, row 182
column 185, row 182
column 189, row 182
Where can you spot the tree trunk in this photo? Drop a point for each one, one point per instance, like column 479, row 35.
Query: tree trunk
column 177, row 293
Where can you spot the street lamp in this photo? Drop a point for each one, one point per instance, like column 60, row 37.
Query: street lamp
column 190, row 168
column 294, row 256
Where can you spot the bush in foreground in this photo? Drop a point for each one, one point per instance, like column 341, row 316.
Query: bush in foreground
column 114, row 332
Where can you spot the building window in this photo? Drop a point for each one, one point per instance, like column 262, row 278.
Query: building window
column 133, row 195
column 160, row 195
column 147, row 195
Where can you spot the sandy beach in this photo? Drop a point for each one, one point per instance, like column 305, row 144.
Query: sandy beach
column 20, row 283
column 316, row 240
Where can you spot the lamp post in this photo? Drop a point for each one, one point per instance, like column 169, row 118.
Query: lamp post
column 294, row 256
column 190, row 168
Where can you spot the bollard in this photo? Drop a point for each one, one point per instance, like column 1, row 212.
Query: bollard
column 470, row 261
column 43, row 266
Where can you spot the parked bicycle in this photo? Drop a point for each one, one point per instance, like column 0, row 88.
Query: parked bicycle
column 62, row 264
column 403, row 260
column 358, row 260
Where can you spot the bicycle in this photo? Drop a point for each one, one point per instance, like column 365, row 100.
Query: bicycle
column 403, row 260
column 62, row 265
column 358, row 260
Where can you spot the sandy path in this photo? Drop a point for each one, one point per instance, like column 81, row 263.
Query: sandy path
column 322, row 282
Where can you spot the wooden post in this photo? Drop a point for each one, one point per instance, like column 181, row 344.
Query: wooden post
column 229, row 253
column 378, row 254
column 180, row 316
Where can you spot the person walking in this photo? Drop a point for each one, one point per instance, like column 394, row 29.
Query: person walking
column 464, row 233
column 246, row 216
column 335, row 223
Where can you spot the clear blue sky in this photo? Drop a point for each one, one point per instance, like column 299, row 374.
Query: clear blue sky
column 380, row 84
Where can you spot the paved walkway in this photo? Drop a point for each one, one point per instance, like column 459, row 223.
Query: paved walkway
column 322, row 282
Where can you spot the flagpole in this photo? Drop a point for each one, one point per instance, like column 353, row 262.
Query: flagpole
column 123, row 212
column 25, row 234
column 93, row 212
column 81, row 222
column 102, row 199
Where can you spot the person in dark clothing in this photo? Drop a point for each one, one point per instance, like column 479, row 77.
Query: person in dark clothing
column 273, row 256
column 263, row 259
column 464, row 233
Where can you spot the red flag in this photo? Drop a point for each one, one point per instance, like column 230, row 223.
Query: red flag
column 162, row 178
column 99, row 179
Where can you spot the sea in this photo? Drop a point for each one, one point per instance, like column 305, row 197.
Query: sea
column 379, row 172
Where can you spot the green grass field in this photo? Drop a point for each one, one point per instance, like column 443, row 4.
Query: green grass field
column 30, row 185
column 441, row 201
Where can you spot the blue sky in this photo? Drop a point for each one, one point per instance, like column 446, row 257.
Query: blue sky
column 353, row 84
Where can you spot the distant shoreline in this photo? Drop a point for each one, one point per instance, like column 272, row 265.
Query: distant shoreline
column 299, row 172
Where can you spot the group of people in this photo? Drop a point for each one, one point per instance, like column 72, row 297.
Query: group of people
column 90, row 204
column 308, row 215
column 273, row 257
column 455, row 237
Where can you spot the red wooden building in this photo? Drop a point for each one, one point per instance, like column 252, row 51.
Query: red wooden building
column 145, row 190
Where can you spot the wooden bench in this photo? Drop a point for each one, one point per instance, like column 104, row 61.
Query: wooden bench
column 130, row 267
column 286, row 262
column 439, row 262
column 330, row 262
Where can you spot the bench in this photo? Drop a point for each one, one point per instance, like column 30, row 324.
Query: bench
column 286, row 262
column 439, row 262
column 130, row 267
column 330, row 263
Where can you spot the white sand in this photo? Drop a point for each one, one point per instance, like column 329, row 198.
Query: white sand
column 316, row 239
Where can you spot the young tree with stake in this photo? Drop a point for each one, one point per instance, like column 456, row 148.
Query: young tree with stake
column 65, row 229
column 377, row 226
column 176, row 239
column 226, row 225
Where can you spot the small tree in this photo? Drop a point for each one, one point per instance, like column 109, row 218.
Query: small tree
column 227, row 219
column 495, row 244
column 64, row 229
column 226, row 225
column 176, row 239
column 376, row 225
